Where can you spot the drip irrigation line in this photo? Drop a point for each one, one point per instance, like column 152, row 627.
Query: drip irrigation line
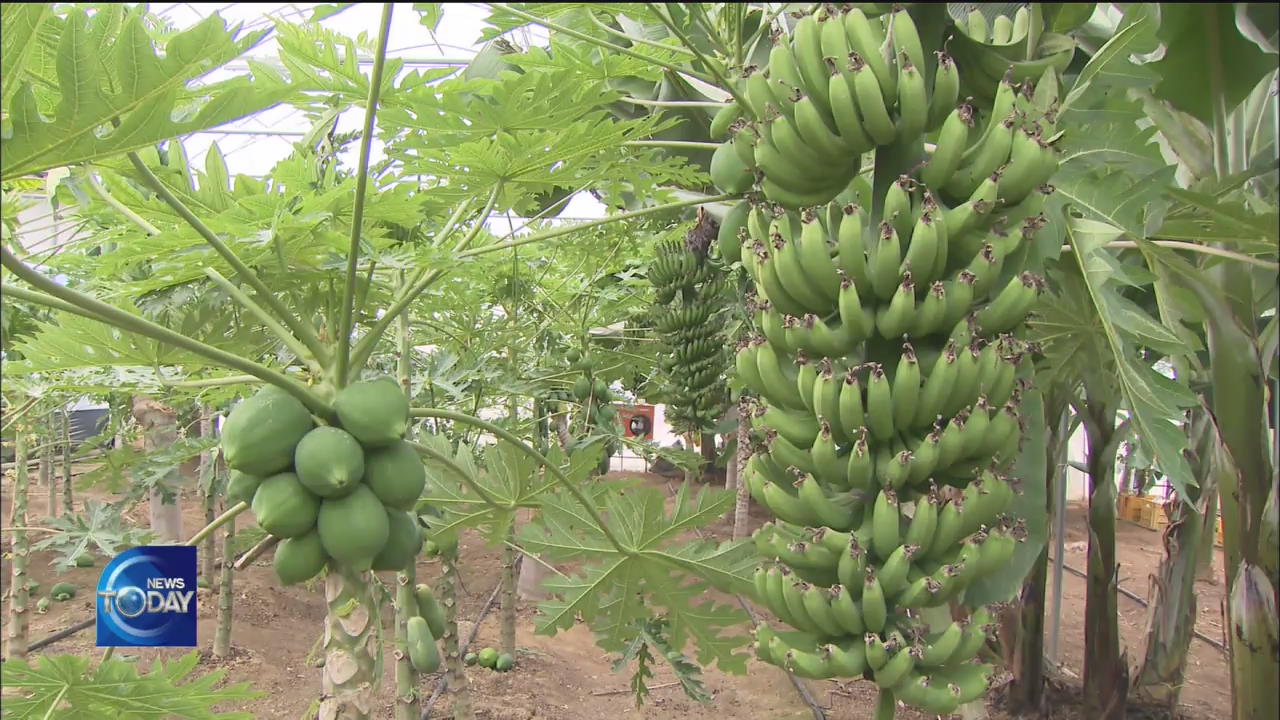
column 1129, row 594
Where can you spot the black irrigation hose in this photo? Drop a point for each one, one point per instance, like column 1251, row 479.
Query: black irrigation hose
column 1220, row 647
column 65, row 632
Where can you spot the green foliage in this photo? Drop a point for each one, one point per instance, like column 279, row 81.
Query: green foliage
column 652, row 636
column 100, row 527
column 65, row 687
column 144, row 97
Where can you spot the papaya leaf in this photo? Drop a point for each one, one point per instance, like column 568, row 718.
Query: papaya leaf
column 111, row 101
column 22, row 24
column 64, row 687
column 1155, row 402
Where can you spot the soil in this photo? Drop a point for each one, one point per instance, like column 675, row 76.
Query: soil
column 567, row 677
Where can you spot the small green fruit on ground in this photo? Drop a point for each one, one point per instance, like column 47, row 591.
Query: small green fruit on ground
column 85, row 560
column 488, row 658
column 63, row 591
column 504, row 662
column 470, row 658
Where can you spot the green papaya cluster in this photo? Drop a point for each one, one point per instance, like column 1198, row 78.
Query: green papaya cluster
column 688, row 317
column 591, row 393
column 889, row 355
column 340, row 493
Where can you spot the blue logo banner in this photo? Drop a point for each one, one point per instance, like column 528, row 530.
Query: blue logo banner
column 147, row 598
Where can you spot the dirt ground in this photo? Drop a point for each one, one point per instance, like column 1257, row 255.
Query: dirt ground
column 567, row 677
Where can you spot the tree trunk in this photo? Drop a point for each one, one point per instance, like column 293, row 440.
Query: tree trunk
column 742, row 502
column 1025, row 651
column 407, row 706
column 1106, row 671
column 226, row 598
column 507, row 639
column 19, row 591
column 46, row 465
column 160, row 428
column 67, row 507
column 353, row 647
column 209, row 491
column 708, row 455
column 457, row 678
column 1171, row 616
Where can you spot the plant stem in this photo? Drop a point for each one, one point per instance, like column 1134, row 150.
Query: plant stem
column 673, row 103
column 226, row 598
column 524, row 447
column 449, row 462
column 672, row 144
column 407, row 706
column 365, row 347
column 19, row 591
column 209, row 491
column 717, row 72
column 362, row 186
column 67, row 507
column 226, row 517
column 95, row 309
column 119, row 207
column 636, row 40
column 352, row 644
column 46, row 468
column 456, row 677
column 569, row 229
column 299, row 350
column 302, row 329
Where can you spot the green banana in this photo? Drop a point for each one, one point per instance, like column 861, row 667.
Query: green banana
column 812, row 666
column 874, row 609
column 946, row 91
column 781, row 388
column 871, row 100
column 906, row 39
column 847, row 661
column 879, row 404
column 860, row 467
column 906, row 389
column 851, row 565
column 798, row 427
column 787, row 454
column 923, row 523
column 844, row 110
column 845, row 610
column 1009, row 308
column 867, row 40
column 932, row 311
column 893, row 574
column 806, row 376
column 807, row 49
column 831, row 468
column 937, row 388
column 877, row 653
column 884, row 262
column 939, row 650
column 893, row 320
column 886, row 534
column 851, row 253
column 851, row 410
column 913, row 99
column 724, row 117
column 959, row 293
column 948, row 151
column 815, row 259
column 786, row 506
column 896, row 208
column 897, row 667
column 824, row 509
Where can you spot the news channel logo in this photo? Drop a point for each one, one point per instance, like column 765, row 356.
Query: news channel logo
column 147, row 598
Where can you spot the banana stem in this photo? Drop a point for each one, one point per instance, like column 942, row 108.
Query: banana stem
column 362, row 185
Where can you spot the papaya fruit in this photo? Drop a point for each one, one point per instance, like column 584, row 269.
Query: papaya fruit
column 504, row 662
column 284, row 507
column 582, row 388
column 404, row 542
column 62, row 591
column 488, row 657
column 429, row 609
column 376, row 412
column 85, row 560
column 261, row 432
column 329, row 462
column 395, row 474
column 242, row 486
column 600, row 389
column 423, row 654
column 353, row 528
column 299, row 559
column 470, row 658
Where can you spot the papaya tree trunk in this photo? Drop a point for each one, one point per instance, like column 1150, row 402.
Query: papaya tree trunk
column 20, row 547
column 457, row 678
column 529, row 583
column 1171, row 615
column 160, row 430
column 67, row 507
column 209, row 491
column 226, row 582
column 708, row 454
column 742, row 500
column 1026, row 656
column 353, row 647
column 407, row 706
column 46, row 465
column 507, row 637
column 1106, row 671
column 222, row 635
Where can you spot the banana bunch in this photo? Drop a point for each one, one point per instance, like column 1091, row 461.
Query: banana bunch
column 889, row 367
column 689, row 293
column 842, row 85
column 985, row 51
